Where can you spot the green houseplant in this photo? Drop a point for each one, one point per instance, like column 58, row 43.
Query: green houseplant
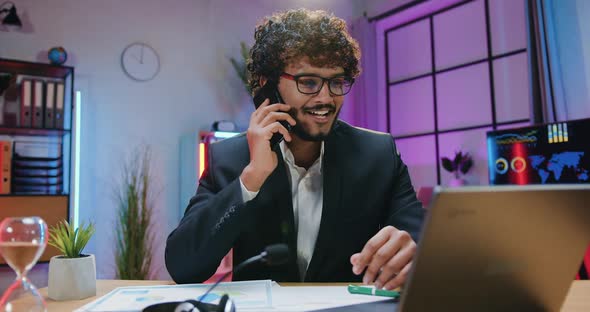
column 134, row 220
column 240, row 66
column 458, row 166
column 72, row 275
column 68, row 240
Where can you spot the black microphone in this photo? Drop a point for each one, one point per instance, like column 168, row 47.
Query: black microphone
column 276, row 254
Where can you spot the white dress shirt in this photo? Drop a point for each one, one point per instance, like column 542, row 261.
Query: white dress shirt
column 307, row 189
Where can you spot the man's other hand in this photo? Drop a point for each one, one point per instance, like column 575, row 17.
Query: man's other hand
column 387, row 258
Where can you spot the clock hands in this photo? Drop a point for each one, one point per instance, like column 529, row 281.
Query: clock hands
column 141, row 57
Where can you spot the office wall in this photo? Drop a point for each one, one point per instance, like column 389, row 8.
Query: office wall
column 374, row 8
column 568, row 30
column 196, row 85
column 450, row 77
column 584, row 20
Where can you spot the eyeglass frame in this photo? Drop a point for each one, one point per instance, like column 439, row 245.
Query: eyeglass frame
column 324, row 80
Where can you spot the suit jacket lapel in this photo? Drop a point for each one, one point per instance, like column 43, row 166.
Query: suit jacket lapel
column 332, row 189
column 277, row 191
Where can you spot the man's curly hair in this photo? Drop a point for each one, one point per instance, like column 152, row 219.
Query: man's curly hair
column 288, row 36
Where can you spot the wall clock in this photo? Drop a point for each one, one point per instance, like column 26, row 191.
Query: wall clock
column 140, row 61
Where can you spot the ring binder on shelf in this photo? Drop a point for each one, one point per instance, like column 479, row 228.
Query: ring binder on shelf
column 26, row 100
column 49, row 118
column 37, row 107
column 59, row 105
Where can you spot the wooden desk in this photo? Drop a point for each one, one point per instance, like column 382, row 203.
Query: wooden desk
column 578, row 298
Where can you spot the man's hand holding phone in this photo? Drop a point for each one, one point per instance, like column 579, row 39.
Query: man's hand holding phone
column 264, row 122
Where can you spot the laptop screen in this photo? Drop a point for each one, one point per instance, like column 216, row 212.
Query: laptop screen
column 499, row 248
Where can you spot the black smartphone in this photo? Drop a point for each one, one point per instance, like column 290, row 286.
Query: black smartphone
column 269, row 91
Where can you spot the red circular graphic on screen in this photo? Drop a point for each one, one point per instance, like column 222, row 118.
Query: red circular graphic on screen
column 518, row 164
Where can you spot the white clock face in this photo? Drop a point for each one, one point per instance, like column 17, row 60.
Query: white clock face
column 140, row 62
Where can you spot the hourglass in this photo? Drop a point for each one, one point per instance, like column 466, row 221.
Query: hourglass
column 22, row 241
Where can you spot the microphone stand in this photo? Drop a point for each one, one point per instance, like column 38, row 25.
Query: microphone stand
column 237, row 268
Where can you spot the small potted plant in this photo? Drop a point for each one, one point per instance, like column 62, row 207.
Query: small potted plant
column 459, row 166
column 72, row 275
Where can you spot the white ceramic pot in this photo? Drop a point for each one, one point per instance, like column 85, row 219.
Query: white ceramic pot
column 72, row 278
column 456, row 182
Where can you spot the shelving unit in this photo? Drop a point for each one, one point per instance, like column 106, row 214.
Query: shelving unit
column 51, row 207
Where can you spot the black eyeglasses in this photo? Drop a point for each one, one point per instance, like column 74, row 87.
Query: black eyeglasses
column 312, row 84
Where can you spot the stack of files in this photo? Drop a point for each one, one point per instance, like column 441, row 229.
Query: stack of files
column 37, row 168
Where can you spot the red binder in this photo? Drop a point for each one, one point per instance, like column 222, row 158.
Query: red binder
column 5, row 166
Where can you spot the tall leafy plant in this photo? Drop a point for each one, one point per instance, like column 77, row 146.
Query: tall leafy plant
column 240, row 65
column 134, row 228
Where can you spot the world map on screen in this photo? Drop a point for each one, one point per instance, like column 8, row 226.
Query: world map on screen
column 557, row 163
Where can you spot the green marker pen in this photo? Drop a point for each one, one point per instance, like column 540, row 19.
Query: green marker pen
column 372, row 291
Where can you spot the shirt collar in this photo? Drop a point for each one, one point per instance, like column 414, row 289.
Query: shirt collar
column 290, row 160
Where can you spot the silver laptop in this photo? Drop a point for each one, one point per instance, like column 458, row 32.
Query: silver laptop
column 499, row 248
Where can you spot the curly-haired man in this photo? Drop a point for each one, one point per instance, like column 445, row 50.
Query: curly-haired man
column 340, row 197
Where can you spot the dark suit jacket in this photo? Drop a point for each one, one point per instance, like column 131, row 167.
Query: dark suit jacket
column 366, row 187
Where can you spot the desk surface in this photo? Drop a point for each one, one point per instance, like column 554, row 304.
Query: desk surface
column 578, row 298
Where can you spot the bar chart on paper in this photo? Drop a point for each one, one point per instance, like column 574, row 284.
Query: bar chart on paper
column 246, row 295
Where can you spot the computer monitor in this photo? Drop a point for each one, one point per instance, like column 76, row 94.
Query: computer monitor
column 543, row 154
column 499, row 248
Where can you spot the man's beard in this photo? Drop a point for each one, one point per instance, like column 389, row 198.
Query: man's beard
column 303, row 134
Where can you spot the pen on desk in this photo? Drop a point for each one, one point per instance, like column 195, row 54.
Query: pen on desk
column 354, row 289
